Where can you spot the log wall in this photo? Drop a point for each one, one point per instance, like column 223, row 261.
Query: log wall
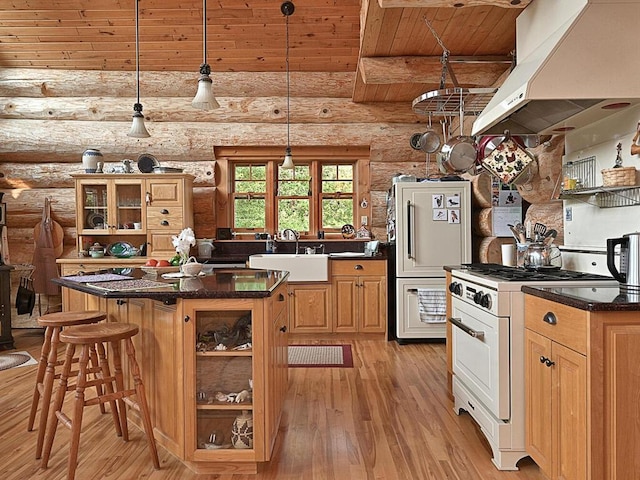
column 49, row 117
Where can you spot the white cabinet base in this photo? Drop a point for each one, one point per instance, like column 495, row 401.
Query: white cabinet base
column 408, row 323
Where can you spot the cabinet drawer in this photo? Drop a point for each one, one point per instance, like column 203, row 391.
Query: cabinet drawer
column 164, row 218
column 569, row 329
column 358, row 267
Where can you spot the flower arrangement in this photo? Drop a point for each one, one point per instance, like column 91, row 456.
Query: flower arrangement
column 183, row 243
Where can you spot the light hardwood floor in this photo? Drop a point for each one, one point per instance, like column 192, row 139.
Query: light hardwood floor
column 388, row 418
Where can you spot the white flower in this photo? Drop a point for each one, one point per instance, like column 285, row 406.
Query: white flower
column 184, row 241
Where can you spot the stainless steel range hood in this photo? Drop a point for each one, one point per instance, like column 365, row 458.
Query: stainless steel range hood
column 576, row 59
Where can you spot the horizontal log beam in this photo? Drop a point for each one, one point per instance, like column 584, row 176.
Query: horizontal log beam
column 23, row 141
column 232, row 109
column 472, row 72
column 23, row 82
column 453, row 3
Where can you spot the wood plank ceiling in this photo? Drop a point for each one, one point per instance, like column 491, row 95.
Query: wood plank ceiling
column 385, row 43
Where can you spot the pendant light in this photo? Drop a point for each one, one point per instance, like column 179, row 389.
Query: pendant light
column 204, row 99
column 287, row 9
column 138, row 129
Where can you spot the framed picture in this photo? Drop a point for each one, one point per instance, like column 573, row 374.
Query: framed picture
column 3, row 213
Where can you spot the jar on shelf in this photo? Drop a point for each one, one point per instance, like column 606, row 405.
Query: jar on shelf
column 90, row 159
column 242, row 431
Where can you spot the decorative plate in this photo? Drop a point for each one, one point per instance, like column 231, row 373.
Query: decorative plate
column 121, row 250
column 348, row 231
column 147, row 162
column 94, row 219
column 508, row 161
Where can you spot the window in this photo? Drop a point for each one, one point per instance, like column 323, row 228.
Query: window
column 315, row 195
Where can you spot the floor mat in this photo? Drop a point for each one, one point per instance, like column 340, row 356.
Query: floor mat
column 320, row 356
column 16, row 359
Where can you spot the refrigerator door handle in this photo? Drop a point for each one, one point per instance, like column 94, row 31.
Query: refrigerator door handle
column 409, row 253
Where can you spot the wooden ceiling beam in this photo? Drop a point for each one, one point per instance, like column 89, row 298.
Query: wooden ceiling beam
column 469, row 71
column 453, row 3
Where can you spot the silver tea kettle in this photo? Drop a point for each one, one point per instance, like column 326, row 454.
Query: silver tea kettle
column 628, row 273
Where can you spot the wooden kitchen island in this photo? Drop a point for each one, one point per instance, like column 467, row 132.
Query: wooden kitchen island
column 190, row 383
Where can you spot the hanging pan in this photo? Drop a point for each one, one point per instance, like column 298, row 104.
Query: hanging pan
column 458, row 154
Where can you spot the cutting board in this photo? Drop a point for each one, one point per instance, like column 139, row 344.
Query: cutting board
column 57, row 232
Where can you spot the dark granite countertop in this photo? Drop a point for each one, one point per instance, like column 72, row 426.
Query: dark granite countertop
column 588, row 298
column 221, row 283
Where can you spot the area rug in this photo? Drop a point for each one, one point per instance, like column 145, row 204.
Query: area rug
column 320, row 356
column 16, row 359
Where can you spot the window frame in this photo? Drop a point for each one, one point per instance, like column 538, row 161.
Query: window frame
column 272, row 198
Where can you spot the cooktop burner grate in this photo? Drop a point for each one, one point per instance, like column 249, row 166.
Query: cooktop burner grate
column 513, row 274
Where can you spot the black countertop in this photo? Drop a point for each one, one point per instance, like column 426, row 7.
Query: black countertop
column 588, row 298
column 221, row 283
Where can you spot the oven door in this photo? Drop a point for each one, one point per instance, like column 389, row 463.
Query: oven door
column 480, row 349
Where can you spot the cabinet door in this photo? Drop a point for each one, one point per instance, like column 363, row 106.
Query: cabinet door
column 372, row 315
column 212, row 374
column 276, row 373
column 345, row 299
column 569, row 413
column 538, row 393
column 164, row 192
column 310, row 307
column 92, row 206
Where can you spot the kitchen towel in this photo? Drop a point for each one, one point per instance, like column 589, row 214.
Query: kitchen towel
column 432, row 305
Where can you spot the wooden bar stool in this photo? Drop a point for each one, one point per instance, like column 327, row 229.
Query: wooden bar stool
column 54, row 323
column 96, row 336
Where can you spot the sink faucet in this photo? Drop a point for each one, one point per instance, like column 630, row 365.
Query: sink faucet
column 296, row 235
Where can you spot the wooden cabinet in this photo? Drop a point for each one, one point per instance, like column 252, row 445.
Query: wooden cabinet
column 213, row 441
column 310, row 306
column 134, row 208
column 582, row 388
column 360, row 296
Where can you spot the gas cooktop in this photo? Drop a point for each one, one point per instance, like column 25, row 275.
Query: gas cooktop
column 513, row 274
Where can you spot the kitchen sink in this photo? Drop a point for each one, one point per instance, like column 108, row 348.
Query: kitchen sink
column 301, row 268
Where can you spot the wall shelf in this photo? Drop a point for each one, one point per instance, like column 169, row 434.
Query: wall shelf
column 605, row 197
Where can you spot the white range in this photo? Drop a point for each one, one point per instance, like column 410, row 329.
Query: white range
column 487, row 343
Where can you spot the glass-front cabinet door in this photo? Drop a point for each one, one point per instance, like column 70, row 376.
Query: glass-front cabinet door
column 222, row 384
column 110, row 206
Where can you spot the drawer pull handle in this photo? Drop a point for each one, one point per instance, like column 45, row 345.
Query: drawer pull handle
column 549, row 363
column 120, row 301
column 550, row 318
column 186, row 318
column 283, row 329
column 469, row 331
column 281, row 298
column 164, row 223
column 164, row 211
column 358, row 267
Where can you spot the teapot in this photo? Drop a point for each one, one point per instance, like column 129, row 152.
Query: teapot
column 539, row 255
column 96, row 250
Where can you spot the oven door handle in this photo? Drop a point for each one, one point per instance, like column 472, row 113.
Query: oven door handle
column 469, row 331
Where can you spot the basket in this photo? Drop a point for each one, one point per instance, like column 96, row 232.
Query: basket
column 619, row 177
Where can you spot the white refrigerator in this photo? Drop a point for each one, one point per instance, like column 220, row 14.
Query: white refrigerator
column 428, row 227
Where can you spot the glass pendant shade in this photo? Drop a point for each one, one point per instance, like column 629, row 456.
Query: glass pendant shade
column 138, row 130
column 288, row 159
column 204, row 99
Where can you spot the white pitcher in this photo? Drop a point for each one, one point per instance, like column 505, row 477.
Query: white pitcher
column 205, row 247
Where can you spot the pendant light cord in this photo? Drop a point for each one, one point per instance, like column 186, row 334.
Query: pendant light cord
column 204, row 31
column 137, row 56
column 288, row 82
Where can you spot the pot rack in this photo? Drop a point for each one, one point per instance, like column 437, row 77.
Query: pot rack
column 450, row 102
